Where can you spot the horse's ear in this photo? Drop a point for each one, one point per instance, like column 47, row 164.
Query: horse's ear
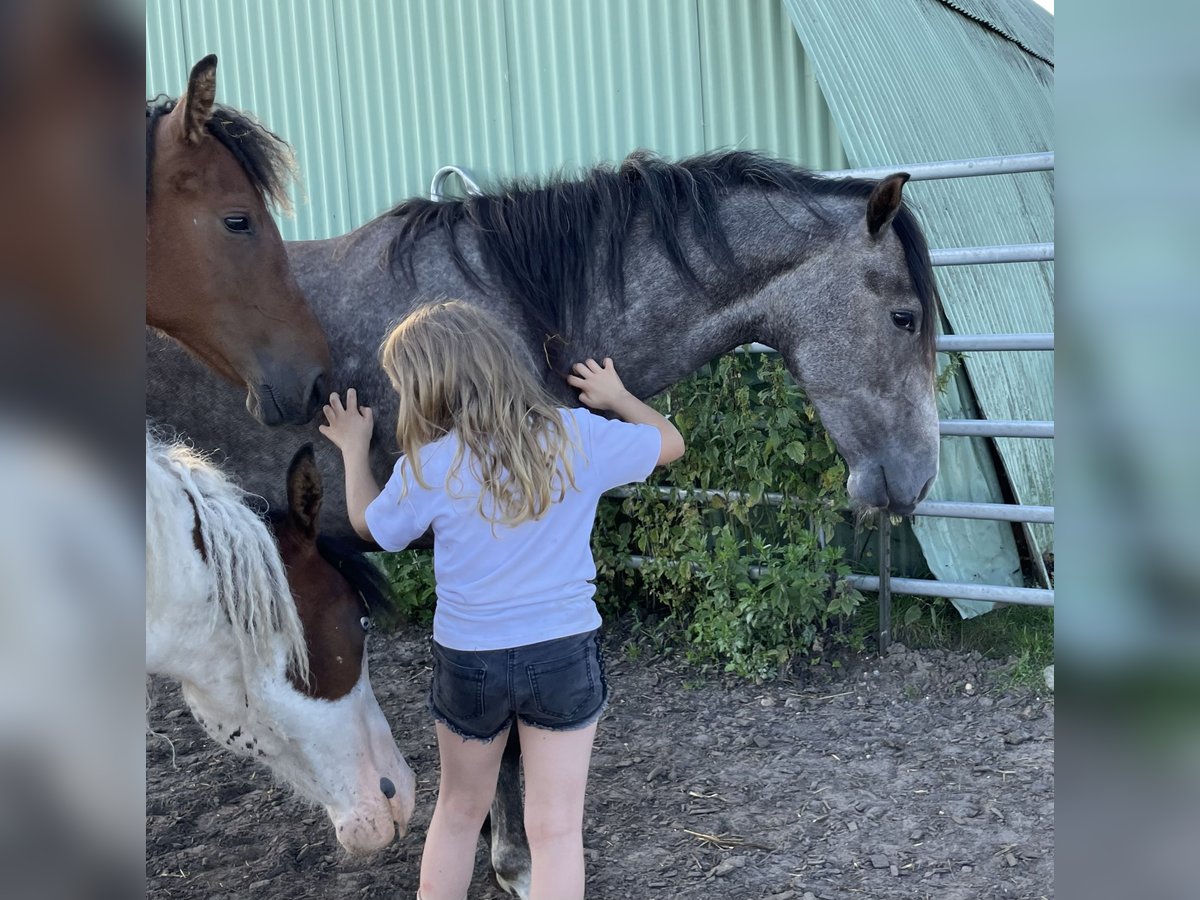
column 198, row 102
column 885, row 202
column 304, row 491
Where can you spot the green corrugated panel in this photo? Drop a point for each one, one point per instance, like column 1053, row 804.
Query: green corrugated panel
column 759, row 91
column 592, row 81
column 167, row 64
column 423, row 85
column 914, row 80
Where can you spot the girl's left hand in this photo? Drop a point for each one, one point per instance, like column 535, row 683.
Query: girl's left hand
column 349, row 426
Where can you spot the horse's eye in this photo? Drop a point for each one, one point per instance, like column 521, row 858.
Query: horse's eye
column 902, row 318
column 238, row 224
column 365, row 622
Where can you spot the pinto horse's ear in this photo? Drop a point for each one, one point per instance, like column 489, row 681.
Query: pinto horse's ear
column 885, row 202
column 198, row 102
column 304, row 491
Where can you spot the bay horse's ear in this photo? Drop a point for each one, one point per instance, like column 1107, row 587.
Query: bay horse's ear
column 885, row 202
column 198, row 102
column 304, row 491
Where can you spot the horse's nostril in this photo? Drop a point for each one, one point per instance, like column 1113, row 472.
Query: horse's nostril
column 925, row 490
column 319, row 393
column 389, row 789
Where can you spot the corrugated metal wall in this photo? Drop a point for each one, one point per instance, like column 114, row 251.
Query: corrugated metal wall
column 375, row 96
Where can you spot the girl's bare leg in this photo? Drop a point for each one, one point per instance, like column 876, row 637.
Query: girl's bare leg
column 556, row 770
column 465, row 791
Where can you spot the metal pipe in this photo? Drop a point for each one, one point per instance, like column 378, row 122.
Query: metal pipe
column 956, row 168
column 678, row 493
column 995, row 428
column 950, row 509
column 1003, row 253
column 962, row 342
column 995, row 512
column 923, row 587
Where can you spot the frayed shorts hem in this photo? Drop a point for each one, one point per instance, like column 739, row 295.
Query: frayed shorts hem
column 571, row 726
column 541, row 726
column 465, row 735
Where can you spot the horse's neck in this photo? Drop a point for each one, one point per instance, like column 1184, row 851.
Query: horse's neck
column 663, row 330
column 187, row 637
column 206, row 659
column 184, row 642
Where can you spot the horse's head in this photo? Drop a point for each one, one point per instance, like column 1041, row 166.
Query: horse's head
column 341, row 749
column 857, row 324
column 217, row 274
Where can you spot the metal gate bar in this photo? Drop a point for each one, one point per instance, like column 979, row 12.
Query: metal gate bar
column 1014, row 164
column 959, row 343
column 924, row 587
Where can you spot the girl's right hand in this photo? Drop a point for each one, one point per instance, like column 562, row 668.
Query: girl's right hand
column 349, row 426
column 599, row 386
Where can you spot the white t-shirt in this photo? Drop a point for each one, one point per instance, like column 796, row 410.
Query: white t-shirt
column 509, row 586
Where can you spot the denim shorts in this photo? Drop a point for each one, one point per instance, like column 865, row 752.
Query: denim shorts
column 558, row 685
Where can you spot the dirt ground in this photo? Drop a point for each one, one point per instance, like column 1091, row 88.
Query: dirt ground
column 885, row 778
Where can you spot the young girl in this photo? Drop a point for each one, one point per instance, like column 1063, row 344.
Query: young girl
column 509, row 482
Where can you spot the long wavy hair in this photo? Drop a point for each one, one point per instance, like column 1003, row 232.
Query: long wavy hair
column 453, row 368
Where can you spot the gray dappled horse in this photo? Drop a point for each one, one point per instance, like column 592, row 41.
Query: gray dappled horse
column 662, row 266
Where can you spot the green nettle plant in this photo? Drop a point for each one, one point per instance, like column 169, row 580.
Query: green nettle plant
column 737, row 557
column 748, row 580
column 411, row 575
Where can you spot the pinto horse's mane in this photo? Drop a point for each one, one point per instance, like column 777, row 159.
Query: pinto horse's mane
column 544, row 243
column 237, row 547
column 266, row 158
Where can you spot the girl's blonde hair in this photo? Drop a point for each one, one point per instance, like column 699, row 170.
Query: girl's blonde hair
column 454, row 368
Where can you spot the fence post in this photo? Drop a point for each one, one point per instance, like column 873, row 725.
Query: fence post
column 885, row 582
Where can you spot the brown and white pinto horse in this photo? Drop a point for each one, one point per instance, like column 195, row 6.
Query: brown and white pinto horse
column 265, row 626
column 217, row 277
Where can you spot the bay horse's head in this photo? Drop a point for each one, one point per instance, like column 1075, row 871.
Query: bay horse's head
column 856, row 321
column 217, row 275
column 338, row 732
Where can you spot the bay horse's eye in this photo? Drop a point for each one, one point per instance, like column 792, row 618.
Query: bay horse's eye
column 902, row 318
column 238, row 224
column 365, row 622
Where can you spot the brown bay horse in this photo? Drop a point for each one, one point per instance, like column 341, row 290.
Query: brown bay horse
column 217, row 276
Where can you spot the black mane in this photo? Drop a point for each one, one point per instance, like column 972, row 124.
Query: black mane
column 265, row 157
column 541, row 242
column 358, row 569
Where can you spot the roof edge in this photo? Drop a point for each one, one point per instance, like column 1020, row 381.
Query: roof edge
column 998, row 29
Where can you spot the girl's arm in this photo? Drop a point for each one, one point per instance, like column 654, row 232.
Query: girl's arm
column 350, row 427
column 600, row 388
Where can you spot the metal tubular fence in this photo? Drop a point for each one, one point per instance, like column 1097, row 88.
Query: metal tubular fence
column 884, row 583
